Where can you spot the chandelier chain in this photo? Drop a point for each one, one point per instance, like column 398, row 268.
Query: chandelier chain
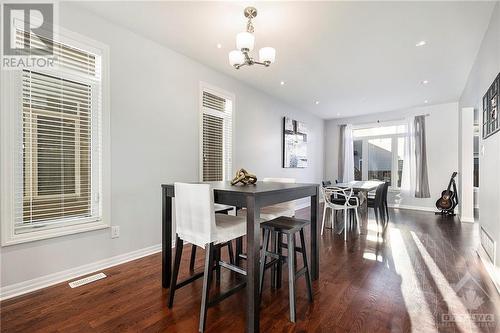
column 250, row 27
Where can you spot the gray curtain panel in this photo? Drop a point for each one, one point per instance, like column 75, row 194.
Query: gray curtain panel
column 422, row 178
column 341, row 153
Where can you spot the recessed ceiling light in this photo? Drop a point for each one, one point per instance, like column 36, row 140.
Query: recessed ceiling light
column 426, row 101
column 219, row 45
column 425, row 82
column 317, row 102
column 421, row 43
column 338, row 114
column 282, row 83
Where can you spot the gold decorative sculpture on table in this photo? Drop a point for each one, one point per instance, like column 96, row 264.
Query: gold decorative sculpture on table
column 242, row 176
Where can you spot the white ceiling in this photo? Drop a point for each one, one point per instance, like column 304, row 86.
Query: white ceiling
column 354, row 57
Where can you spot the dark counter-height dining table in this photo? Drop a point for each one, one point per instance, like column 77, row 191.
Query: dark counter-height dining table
column 251, row 197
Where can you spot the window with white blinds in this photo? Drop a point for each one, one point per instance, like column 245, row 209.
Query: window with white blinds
column 67, row 57
column 57, row 141
column 216, row 145
column 57, row 115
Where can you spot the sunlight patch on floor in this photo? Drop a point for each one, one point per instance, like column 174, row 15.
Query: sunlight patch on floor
column 373, row 237
column 373, row 256
column 373, row 226
column 413, row 296
column 454, row 304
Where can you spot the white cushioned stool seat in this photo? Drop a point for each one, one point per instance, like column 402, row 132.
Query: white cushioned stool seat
column 282, row 209
column 229, row 227
column 243, row 213
column 274, row 211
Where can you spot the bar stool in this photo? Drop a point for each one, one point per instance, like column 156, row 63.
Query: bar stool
column 274, row 229
column 197, row 223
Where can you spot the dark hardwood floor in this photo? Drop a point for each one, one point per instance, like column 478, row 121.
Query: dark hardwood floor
column 421, row 275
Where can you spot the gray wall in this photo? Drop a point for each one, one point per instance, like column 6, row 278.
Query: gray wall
column 486, row 68
column 154, row 140
column 442, row 148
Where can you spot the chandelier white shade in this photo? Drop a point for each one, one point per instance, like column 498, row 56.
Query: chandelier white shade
column 245, row 40
column 245, row 43
column 236, row 58
column 267, row 54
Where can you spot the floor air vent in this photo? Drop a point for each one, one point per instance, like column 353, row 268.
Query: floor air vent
column 488, row 245
column 87, row 280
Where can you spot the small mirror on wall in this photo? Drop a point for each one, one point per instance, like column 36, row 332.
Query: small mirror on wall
column 294, row 143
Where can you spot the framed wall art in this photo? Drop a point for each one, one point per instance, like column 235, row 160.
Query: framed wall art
column 491, row 121
column 294, row 144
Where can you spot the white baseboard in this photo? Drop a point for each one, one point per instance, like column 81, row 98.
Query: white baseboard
column 51, row 279
column 409, row 207
column 430, row 209
column 493, row 272
column 467, row 219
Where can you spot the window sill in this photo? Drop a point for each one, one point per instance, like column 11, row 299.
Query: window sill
column 52, row 233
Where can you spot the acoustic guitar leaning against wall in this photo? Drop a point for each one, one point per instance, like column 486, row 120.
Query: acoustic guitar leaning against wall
column 447, row 200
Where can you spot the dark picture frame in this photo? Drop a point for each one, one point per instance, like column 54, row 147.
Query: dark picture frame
column 491, row 101
column 294, row 144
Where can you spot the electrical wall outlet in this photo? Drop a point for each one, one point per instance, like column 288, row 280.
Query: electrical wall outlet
column 115, row 231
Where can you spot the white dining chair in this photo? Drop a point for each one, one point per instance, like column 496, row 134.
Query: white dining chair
column 196, row 222
column 344, row 199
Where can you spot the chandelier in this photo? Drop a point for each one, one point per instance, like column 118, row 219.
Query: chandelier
column 245, row 42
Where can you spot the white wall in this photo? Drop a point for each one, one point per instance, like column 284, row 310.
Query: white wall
column 486, row 68
column 465, row 177
column 442, row 148
column 154, row 140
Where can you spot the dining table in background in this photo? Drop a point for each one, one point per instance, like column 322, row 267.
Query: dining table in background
column 253, row 198
column 361, row 187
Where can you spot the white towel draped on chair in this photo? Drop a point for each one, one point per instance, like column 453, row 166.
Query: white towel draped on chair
column 196, row 221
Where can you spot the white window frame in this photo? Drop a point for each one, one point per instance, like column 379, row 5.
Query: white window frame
column 227, row 165
column 10, row 107
column 394, row 142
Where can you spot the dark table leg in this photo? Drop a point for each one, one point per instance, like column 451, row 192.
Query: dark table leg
column 166, row 238
column 253, row 249
column 314, row 236
column 363, row 209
